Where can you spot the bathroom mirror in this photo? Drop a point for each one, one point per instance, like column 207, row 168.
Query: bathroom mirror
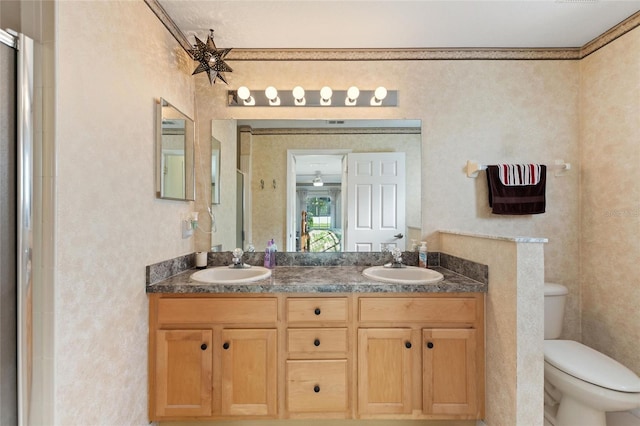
column 174, row 154
column 282, row 158
column 215, row 170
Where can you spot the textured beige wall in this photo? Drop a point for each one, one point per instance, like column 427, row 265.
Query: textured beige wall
column 610, row 188
column 114, row 59
column 490, row 111
column 514, row 310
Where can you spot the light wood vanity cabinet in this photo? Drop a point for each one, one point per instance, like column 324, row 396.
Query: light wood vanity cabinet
column 370, row 355
column 317, row 365
column 212, row 357
column 421, row 356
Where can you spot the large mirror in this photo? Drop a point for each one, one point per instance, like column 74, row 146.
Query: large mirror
column 174, row 154
column 327, row 185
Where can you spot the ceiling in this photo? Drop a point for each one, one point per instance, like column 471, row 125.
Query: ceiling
column 450, row 24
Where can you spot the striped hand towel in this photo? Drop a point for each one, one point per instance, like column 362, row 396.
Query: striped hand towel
column 519, row 174
column 517, row 197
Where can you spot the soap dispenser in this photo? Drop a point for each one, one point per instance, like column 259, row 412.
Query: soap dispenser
column 422, row 254
column 272, row 253
column 267, row 255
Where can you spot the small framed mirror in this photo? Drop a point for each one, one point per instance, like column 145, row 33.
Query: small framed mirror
column 215, row 170
column 174, row 154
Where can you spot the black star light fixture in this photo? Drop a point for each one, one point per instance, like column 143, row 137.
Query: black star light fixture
column 210, row 59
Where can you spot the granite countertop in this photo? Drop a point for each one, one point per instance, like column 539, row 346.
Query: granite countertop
column 319, row 279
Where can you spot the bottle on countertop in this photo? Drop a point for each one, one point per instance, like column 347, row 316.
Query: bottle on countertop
column 267, row 256
column 274, row 249
column 422, row 254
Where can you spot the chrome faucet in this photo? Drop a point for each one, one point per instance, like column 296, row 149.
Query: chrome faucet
column 237, row 258
column 397, row 259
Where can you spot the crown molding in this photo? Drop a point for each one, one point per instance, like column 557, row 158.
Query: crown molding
column 418, row 54
column 619, row 30
column 169, row 25
column 423, row 54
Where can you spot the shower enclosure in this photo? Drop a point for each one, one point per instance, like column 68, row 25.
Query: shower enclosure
column 16, row 221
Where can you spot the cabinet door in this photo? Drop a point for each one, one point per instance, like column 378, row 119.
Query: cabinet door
column 249, row 372
column 384, row 371
column 449, row 371
column 183, row 372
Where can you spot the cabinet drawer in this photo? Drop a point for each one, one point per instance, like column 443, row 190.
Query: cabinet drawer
column 317, row 310
column 217, row 310
column 317, row 386
column 317, row 341
column 433, row 310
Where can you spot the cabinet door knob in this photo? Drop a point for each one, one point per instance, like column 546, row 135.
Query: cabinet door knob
column 407, row 344
column 430, row 345
column 225, row 345
column 203, row 346
column 316, row 388
column 317, row 311
column 316, row 342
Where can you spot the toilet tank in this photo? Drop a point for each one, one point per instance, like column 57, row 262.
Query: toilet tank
column 555, row 296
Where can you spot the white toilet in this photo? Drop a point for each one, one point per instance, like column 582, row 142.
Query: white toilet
column 580, row 383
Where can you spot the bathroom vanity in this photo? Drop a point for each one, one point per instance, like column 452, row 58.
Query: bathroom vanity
column 317, row 343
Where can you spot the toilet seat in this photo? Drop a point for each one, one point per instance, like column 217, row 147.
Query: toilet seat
column 589, row 365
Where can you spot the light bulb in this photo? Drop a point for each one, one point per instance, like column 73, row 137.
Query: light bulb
column 325, row 95
column 272, row 94
column 352, row 95
column 244, row 93
column 298, row 95
column 298, row 92
column 379, row 94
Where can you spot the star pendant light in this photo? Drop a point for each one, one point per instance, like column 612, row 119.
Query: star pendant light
column 211, row 59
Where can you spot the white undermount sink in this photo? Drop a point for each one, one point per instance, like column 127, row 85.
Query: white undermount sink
column 227, row 275
column 404, row 275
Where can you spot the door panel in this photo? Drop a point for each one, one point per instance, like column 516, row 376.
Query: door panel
column 376, row 201
column 183, row 372
column 384, row 371
column 249, row 372
column 449, row 371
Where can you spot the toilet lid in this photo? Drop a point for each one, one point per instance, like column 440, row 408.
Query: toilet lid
column 552, row 289
column 587, row 364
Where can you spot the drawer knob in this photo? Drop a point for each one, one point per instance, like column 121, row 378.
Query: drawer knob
column 225, row 345
column 316, row 342
column 407, row 344
column 430, row 345
column 203, row 346
column 317, row 311
column 316, row 388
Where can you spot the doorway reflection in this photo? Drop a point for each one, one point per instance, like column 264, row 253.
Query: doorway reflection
column 321, row 221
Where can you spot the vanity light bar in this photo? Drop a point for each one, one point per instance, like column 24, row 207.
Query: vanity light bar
column 313, row 98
